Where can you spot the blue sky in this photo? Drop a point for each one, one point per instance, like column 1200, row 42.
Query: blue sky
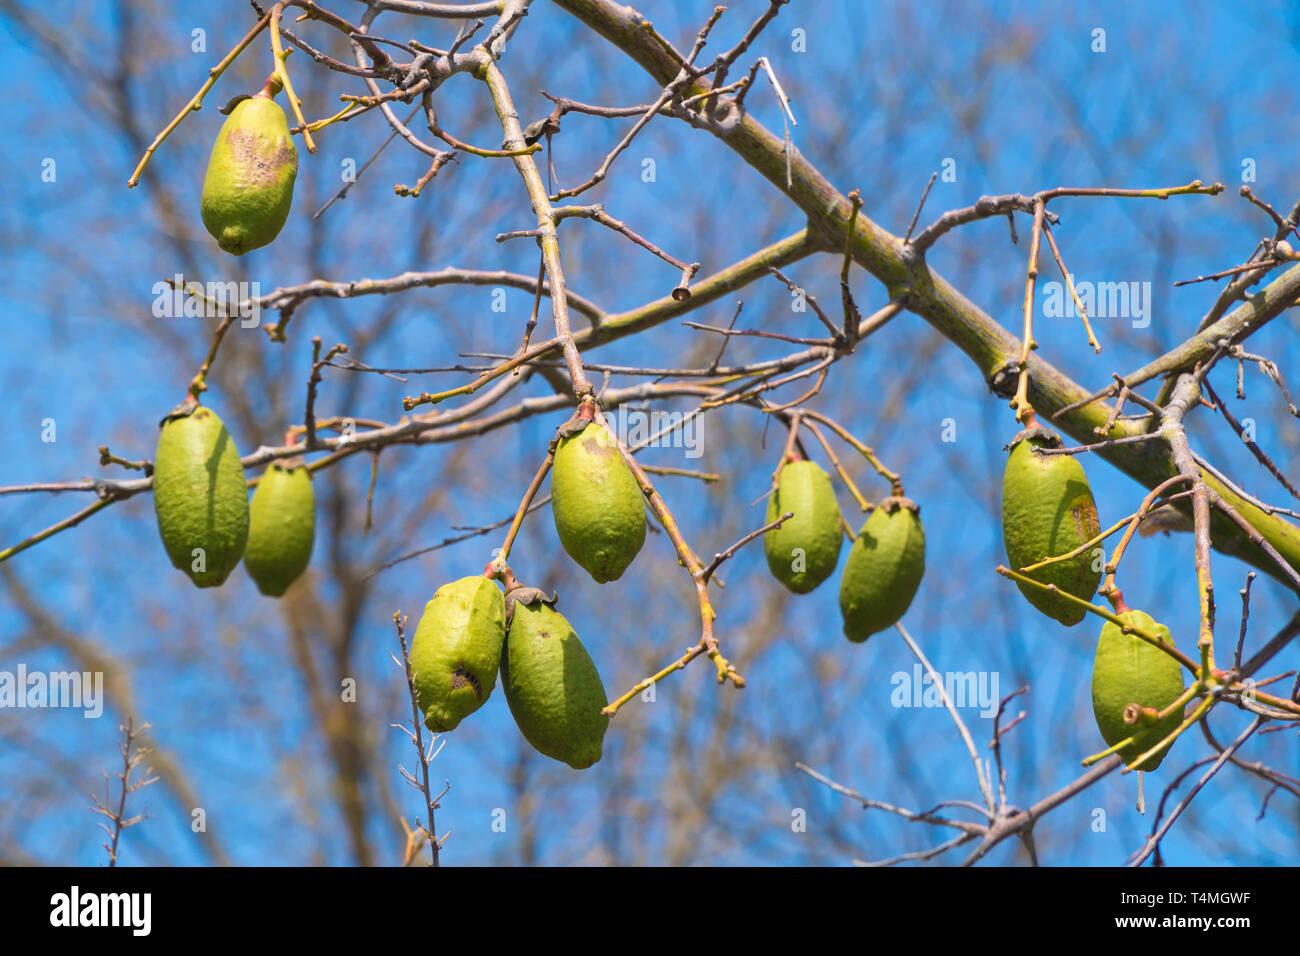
column 1014, row 96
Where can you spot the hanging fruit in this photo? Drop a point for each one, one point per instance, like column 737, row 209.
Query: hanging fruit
column 199, row 494
column 596, row 502
column 1127, row 671
column 248, row 189
column 456, row 649
column 552, row 687
column 1048, row 510
column 883, row 570
column 803, row 551
column 282, row 527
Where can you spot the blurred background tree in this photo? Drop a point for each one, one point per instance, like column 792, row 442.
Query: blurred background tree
column 244, row 693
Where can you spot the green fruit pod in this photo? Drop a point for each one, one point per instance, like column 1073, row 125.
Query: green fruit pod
column 1128, row 670
column 552, row 686
column 883, row 570
column 804, row 551
column 1048, row 509
column 281, row 527
column 199, row 494
column 596, row 502
column 456, row 649
column 249, row 184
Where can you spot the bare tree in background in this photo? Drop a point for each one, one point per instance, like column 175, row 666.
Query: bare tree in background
column 411, row 496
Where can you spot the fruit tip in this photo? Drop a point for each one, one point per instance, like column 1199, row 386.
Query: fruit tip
column 894, row 502
column 1040, row 432
column 271, row 88
column 186, row 408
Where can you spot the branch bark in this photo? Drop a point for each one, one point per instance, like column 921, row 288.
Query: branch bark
column 991, row 347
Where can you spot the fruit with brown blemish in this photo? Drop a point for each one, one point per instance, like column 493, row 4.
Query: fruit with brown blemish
column 456, row 650
column 1048, row 510
column 248, row 189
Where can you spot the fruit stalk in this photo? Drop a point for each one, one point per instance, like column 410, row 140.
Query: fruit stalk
column 547, row 237
column 576, row 422
column 199, row 383
column 1102, row 612
column 282, row 77
column 1025, row 411
column 196, row 101
column 708, row 644
column 840, row 470
column 534, row 486
column 895, row 480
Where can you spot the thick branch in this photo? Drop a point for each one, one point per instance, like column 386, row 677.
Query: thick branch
column 991, row 347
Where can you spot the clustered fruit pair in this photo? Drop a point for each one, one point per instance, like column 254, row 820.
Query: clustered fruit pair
column 551, row 683
column 206, row 522
column 886, row 561
column 470, row 628
column 1048, row 510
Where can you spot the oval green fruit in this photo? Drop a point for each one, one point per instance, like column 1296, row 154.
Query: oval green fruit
column 804, row 551
column 883, row 570
column 552, row 686
column 456, row 649
column 597, row 505
column 199, row 494
column 281, row 527
column 1048, row 509
column 249, row 184
column 1128, row 670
